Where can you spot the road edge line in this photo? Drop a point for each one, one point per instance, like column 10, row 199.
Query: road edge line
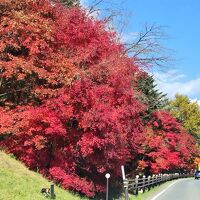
column 164, row 190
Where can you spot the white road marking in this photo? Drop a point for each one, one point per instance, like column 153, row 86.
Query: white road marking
column 154, row 198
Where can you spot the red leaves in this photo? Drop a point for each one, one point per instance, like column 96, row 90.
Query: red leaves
column 163, row 145
column 72, row 181
column 166, row 121
column 84, row 38
column 69, row 107
column 33, row 67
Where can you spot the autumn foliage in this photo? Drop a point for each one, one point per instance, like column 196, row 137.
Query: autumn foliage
column 69, row 103
column 166, row 146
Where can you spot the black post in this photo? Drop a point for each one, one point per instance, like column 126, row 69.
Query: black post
column 52, row 194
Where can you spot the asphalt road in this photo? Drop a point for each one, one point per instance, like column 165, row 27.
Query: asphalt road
column 185, row 189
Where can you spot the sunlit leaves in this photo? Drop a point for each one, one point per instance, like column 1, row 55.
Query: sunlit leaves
column 70, row 105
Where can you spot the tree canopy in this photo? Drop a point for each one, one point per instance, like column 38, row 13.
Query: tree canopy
column 187, row 113
column 70, row 100
column 150, row 95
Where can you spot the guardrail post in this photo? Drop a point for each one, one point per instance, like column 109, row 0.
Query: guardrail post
column 136, row 184
column 156, row 179
column 164, row 178
column 126, row 189
column 159, row 179
column 148, row 182
column 143, row 183
column 153, row 180
column 167, row 177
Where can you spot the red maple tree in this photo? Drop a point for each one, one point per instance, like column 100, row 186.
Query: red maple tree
column 69, row 107
column 166, row 146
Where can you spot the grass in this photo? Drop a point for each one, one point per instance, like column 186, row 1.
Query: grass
column 19, row 183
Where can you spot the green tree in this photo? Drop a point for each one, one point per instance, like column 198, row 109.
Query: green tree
column 188, row 113
column 150, row 95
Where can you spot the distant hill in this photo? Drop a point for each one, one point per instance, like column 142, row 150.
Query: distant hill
column 19, row 183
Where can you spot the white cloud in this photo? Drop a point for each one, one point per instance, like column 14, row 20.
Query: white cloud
column 195, row 100
column 172, row 83
column 169, row 76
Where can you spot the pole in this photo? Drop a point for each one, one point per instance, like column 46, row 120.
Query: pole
column 126, row 189
column 107, row 190
column 123, row 172
column 125, row 182
column 107, row 177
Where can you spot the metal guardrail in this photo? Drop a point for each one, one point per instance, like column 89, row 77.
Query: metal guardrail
column 144, row 183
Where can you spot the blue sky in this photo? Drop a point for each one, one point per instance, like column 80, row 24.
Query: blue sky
column 182, row 21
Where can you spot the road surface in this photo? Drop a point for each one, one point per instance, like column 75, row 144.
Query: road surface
column 183, row 189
